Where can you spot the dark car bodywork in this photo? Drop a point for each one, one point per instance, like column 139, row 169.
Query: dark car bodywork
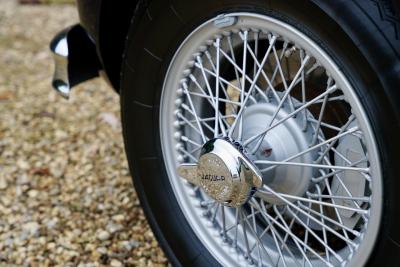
column 96, row 45
column 107, row 22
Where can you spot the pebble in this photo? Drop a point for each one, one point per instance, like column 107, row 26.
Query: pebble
column 101, row 250
column 33, row 193
column 22, row 164
column 103, row 235
column 129, row 245
column 113, row 228
column 23, row 179
column 52, row 223
column 31, row 228
column 3, row 184
column 118, row 217
column 115, row 263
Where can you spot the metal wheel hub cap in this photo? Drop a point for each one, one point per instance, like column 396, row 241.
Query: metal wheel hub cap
column 224, row 172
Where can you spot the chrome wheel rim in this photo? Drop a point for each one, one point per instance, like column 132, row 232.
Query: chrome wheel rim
column 323, row 218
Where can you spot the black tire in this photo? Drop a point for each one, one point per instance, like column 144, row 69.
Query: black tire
column 157, row 30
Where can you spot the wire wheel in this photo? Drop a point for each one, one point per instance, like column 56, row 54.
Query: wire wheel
column 271, row 89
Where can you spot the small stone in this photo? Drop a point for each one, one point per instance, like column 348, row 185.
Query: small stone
column 113, row 228
column 59, row 134
column 6, row 201
column 110, row 119
column 125, row 200
column 33, row 193
column 101, row 250
column 41, row 240
column 3, row 183
column 129, row 245
column 115, row 263
column 23, row 179
column 51, row 224
column 103, row 235
column 31, row 228
column 51, row 246
column 9, row 242
column 22, row 164
column 118, row 217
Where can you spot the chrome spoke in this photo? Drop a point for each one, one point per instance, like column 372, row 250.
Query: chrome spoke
column 276, row 235
column 263, row 74
column 246, row 76
column 321, row 114
column 197, row 119
column 323, row 217
column 243, row 84
column 362, row 199
column 193, row 111
column 258, row 242
column 329, row 141
column 226, row 82
column 285, row 198
column 220, row 80
column 320, row 166
column 217, row 100
column 288, row 89
column 336, row 171
column 337, row 256
column 330, row 146
column 293, row 236
column 253, row 84
column 269, row 128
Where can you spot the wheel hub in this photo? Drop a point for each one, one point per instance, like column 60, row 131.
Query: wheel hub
column 279, row 144
column 224, row 172
column 230, row 177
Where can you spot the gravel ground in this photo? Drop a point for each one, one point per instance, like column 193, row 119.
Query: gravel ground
column 66, row 196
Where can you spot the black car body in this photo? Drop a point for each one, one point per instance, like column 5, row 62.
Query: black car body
column 95, row 45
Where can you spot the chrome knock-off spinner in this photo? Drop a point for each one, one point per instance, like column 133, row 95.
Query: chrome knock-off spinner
column 224, row 172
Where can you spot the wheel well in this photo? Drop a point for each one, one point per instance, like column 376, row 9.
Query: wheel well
column 113, row 27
